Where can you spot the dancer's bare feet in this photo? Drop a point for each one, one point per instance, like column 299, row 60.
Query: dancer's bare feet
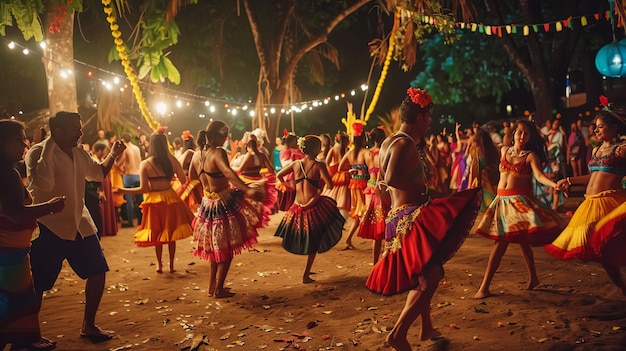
column 532, row 284
column 430, row 334
column 481, row 295
column 224, row 293
column 397, row 344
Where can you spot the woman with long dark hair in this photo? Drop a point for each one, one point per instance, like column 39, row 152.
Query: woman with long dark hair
column 514, row 216
column 165, row 217
column 596, row 230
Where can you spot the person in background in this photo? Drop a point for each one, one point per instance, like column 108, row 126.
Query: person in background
column 422, row 233
column 313, row 224
column 105, row 193
column 144, row 146
column 291, row 153
column 326, row 145
column 178, row 147
column 19, row 320
column 341, row 179
column 59, row 167
column 372, row 222
column 128, row 164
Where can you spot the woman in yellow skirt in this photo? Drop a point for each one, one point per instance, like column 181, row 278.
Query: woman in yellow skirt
column 166, row 218
column 603, row 194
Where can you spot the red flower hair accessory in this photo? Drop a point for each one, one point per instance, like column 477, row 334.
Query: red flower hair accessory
column 285, row 132
column 357, row 129
column 161, row 130
column 186, row 135
column 604, row 101
column 419, row 97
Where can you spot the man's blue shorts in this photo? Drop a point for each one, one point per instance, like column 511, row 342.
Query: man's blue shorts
column 48, row 251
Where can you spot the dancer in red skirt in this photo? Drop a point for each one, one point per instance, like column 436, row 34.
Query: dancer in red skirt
column 422, row 233
column 373, row 220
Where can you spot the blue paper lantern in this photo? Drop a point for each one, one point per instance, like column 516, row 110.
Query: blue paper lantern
column 610, row 59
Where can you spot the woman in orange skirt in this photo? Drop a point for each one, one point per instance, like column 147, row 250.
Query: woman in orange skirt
column 166, row 218
column 604, row 194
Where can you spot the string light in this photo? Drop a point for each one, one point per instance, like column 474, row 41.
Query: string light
column 111, row 80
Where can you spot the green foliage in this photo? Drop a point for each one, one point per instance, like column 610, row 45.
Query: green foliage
column 25, row 14
column 475, row 67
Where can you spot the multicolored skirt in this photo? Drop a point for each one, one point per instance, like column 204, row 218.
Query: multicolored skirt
column 609, row 238
column 428, row 234
column 271, row 193
column 372, row 223
column 19, row 320
column 227, row 223
column 575, row 240
column 514, row 217
column 166, row 218
column 340, row 192
column 314, row 228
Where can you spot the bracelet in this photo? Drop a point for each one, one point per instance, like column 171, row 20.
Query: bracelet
column 569, row 182
column 114, row 157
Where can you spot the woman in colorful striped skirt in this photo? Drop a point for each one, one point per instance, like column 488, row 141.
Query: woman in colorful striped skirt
column 514, row 216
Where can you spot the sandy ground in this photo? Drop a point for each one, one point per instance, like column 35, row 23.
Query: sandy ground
column 575, row 307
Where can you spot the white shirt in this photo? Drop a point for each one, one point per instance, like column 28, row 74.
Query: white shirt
column 51, row 172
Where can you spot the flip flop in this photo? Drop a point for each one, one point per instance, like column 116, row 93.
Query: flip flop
column 41, row 344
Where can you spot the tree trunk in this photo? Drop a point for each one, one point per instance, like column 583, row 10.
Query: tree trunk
column 58, row 60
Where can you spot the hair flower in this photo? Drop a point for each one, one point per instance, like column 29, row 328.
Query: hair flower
column 285, row 132
column 604, row 101
column 301, row 143
column 162, row 130
column 357, row 129
column 419, row 97
column 186, row 135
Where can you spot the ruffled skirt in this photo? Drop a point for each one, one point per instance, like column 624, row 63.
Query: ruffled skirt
column 575, row 240
column 340, row 192
column 227, row 223
column 271, row 194
column 191, row 193
column 429, row 234
column 372, row 223
column 314, row 228
column 165, row 218
column 609, row 239
column 514, row 217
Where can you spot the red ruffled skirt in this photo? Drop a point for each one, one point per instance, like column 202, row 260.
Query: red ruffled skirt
column 372, row 224
column 426, row 234
column 271, row 194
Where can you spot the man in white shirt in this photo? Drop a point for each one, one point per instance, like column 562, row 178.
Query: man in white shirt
column 58, row 166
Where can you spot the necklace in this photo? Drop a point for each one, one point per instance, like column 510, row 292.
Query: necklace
column 605, row 146
column 521, row 153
